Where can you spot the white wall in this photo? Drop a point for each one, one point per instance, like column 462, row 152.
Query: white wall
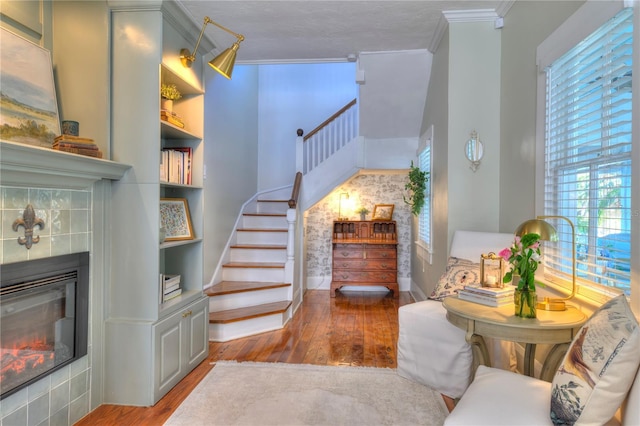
column 394, row 92
column 230, row 155
column 292, row 97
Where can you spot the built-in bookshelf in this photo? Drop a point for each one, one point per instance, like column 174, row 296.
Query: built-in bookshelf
column 169, row 335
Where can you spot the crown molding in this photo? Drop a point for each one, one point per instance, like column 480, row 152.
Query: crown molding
column 475, row 15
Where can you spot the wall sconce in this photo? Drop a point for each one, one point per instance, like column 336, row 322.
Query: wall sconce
column 548, row 233
column 223, row 63
column 474, row 150
column 343, row 195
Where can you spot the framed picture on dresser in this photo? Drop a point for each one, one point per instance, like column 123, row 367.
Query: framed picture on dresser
column 383, row 211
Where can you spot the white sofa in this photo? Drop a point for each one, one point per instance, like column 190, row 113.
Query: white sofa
column 432, row 351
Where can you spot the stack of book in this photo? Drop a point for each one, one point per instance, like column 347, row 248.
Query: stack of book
column 490, row 296
column 170, row 286
column 171, row 117
column 77, row 145
column 175, row 165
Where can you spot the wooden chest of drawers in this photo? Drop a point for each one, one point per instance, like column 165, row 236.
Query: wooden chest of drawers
column 364, row 254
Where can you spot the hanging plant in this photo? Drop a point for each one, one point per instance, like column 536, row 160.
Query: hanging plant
column 416, row 186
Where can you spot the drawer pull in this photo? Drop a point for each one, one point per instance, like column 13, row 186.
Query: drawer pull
column 344, row 277
column 385, row 255
column 186, row 314
column 345, row 254
column 384, row 265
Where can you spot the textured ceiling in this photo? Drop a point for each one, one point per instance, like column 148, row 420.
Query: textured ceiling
column 306, row 31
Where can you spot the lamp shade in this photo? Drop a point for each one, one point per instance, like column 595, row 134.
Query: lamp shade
column 538, row 226
column 223, row 63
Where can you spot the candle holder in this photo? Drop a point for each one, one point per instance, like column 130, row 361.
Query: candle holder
column 491, row 270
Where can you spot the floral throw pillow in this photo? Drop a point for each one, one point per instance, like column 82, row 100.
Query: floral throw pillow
column 597, row 370
column 459, row 272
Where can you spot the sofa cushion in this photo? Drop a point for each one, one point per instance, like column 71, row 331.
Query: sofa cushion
column 458, row 273
column 597, row 370
column 499, row 397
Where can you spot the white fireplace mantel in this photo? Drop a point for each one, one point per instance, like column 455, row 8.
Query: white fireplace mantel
column 25, row 165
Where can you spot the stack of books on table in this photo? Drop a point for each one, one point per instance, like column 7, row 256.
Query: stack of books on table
column 490, row 296
column 170, row 286
column 77, row 145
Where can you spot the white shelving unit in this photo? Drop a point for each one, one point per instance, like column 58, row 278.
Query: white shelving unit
column 150, row 345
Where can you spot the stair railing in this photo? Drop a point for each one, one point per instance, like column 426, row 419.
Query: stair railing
column 295, row 192
column 323, row 141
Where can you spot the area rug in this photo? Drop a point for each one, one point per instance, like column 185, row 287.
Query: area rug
column 250, row 393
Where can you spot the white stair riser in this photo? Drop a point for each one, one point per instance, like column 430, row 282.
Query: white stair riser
column 247, row 298
column 272, row 207
column 258, row 255
column 269, row 275
column 257, row 237
column 265, row 222
column 238, row 329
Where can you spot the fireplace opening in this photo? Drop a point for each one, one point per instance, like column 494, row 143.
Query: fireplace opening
column 44, row 319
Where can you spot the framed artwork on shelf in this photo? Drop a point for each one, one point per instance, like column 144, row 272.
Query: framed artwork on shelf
column 28, row 108
column 383, row 211
column 175, row 219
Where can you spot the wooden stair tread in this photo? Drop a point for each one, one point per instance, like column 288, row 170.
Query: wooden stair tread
column 232, row 315
column 230, row 287
column 253, row 265
column 262, row 230
column 259, row 246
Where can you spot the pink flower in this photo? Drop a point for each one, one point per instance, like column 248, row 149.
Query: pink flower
column 505, row 254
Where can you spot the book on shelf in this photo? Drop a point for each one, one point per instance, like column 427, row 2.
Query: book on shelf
column 75, row 145
column 172, row 118
column 81, row 151
column 169, row 280
column 171, row 295
column 74, row 139
column 175, row 165
column 487, row 300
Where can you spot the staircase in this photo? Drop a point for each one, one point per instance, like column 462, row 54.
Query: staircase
column 252, row 296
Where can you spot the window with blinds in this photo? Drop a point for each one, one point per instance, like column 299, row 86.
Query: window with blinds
column 424, row 220
column 588, row 156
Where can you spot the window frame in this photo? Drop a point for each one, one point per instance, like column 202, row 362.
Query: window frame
column 424, row 249
column 581, row 24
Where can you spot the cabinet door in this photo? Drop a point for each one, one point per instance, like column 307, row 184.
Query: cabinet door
column 169, row 363
column 198, row 339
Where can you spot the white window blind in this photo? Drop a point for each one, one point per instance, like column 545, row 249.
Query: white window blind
column 424, row 161
column 588, row 155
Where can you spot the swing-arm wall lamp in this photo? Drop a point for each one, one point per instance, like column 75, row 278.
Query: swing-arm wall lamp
column 223, row 63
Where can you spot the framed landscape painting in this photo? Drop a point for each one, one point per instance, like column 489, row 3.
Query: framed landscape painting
column 175, row 219
column 28, row 106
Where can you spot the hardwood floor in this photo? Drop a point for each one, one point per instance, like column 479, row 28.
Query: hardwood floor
column 354, row 328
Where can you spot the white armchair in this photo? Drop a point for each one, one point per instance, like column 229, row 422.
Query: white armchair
column 598, row 382
column 432, row 351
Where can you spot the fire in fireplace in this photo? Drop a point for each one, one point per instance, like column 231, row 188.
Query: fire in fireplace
column 44, row 307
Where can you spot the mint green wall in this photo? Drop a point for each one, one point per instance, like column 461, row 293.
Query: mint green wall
column 526, row 25
column 424, row 274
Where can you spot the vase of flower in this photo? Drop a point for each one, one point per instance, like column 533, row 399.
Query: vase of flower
column 524, row 299
column 524, row 257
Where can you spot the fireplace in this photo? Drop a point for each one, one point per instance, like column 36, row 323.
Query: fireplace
column 44, row 306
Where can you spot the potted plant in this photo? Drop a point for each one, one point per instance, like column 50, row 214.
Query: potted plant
column 168, row 93
column 416, row 186
column 363, row 212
